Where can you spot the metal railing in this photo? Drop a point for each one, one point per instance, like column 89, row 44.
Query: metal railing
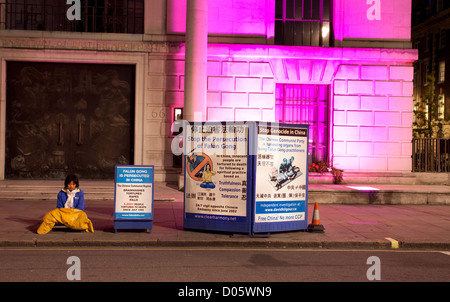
column 430, row 155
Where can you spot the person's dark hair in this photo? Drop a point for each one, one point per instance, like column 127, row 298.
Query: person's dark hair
column 70, row 178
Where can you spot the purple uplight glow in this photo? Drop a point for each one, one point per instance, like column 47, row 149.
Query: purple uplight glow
column 378, row 19
column 235, row 17
column 362, row 188
column 383, row 19
column 367, row 112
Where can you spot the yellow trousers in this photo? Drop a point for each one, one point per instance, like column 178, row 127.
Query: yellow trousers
column 73, row 218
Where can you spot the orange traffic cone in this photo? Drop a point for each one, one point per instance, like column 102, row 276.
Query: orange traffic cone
column 315, row 226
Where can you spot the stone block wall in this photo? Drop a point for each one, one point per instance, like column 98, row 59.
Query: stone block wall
column 370, row 103
column 241, row 90
column 372, row 115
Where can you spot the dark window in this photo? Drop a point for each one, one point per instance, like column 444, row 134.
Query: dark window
column 106, row 16
column 303, row 22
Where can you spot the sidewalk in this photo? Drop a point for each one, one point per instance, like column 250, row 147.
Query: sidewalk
column 346, row 226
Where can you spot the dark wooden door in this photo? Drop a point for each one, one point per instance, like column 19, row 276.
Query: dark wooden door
column 68, row 118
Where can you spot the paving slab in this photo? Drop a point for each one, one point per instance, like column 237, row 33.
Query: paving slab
column 346, row 226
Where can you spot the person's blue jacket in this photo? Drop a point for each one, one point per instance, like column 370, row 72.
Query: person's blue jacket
column 78, row 200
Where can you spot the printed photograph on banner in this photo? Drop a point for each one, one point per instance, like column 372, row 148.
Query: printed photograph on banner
column 216, row 171
column 281, row 163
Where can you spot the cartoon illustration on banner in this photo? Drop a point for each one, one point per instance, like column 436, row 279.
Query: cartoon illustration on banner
column 285, row 174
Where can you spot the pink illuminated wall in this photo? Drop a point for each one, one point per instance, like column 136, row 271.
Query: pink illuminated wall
column 370, row 101
column 374, row 19
column 370, row 89
column 243, row 17
column 372, row 116
column 365, row 19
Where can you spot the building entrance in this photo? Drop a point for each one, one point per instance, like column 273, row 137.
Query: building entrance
column 68, row 118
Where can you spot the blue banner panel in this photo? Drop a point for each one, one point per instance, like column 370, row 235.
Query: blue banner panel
column 276, row 208
column 133, row 196
column 280, row 177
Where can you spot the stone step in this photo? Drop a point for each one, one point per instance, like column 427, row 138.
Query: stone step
column 321, row 193
column 19, row 194
column 48, row 190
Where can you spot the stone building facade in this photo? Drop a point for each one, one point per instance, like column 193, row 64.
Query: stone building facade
column 353, row 84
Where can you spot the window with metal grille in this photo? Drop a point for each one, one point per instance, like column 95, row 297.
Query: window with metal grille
column 441, row 77
column 105, row 16
column 306, row 104
column 303, row 22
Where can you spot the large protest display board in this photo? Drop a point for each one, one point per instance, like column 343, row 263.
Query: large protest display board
column 281, row 178
column 216, row 177
column 133, row 197
column 245, row 177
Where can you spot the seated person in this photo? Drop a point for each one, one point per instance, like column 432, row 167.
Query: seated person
column 69, row 210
